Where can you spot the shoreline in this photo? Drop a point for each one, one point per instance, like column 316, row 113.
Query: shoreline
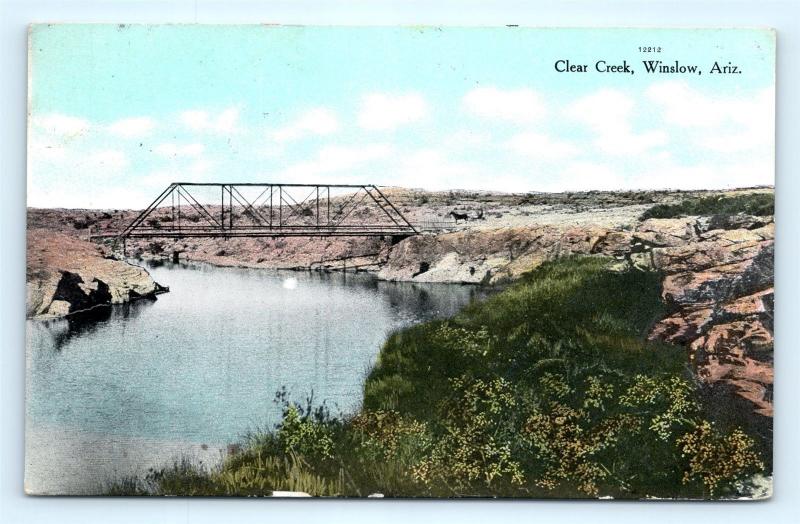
column 379, row 402
column 715, row 254
column 318, row 367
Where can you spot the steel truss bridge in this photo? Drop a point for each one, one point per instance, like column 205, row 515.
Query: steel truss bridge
column 223, row 210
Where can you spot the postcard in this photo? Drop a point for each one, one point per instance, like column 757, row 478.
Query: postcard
column 437, row 262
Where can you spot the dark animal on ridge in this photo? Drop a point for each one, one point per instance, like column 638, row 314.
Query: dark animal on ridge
column 459, row 216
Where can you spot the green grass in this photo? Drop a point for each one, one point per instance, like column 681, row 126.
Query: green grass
column 546, row 389
column 570, row 317
column 759, row 204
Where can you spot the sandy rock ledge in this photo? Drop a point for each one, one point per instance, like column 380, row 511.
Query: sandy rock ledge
column 67, row 275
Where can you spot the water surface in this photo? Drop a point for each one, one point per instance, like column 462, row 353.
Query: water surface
column 193, row 370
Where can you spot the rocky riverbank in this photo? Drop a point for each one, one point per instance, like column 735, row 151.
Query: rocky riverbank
column 718, row 281
column 717, row 266
column 66, row 275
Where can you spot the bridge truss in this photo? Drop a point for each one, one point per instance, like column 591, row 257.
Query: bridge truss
column 221, row 210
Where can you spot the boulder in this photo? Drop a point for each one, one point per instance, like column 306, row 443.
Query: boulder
column 738, row 353
column 698, row 256
column 614, row 243
column 739, row 221
column 67, row 275
column 721, row 283
column 660, row 232
column 683, row 326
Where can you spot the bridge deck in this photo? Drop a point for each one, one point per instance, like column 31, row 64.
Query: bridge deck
column 262, row 232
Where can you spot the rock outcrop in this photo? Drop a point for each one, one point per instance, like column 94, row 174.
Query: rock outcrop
column 486, row 256
column 67, row 275
column 719, row 287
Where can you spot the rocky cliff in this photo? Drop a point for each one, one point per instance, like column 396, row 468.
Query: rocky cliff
column 67, row 275
column 719, row 285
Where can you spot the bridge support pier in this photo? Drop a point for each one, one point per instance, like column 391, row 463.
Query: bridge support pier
column 176, row 257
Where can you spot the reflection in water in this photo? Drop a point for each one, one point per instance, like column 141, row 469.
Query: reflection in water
column 412, row 301
column 200, row 365
column 79, row 324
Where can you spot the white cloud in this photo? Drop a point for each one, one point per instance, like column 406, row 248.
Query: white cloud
column 223, row 123
column 723, row 124
column 132, row 127
column 317, row 121
column 608, row 114
column 336, row 159
column 63, row 180
column 227, row 120
column 687, row 107
column 53, row 137
column 540, row 146
column 170, row 149
column 732, row 142
column 514, row 105
column 62, row 125
column 434, row 170
column 383, row 112
column 606, row 107
column 201, row 166
column 693, row 139
column 196, row 119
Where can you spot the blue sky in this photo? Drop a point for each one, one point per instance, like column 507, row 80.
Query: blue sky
column 118, row 112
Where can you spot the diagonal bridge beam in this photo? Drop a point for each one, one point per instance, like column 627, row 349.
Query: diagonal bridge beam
column 321, row 210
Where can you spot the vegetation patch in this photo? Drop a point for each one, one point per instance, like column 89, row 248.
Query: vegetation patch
column 547, row 389
column 758, row 204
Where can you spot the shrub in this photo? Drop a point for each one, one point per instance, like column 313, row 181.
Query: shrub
column 716, row 458
column 759, row 204
column 569, row 445
column 301, row 435
column 388, row 434
column 84, row 223
column 473, row 451
column 156, row 248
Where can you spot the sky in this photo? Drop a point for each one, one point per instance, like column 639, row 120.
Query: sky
column 116, row 113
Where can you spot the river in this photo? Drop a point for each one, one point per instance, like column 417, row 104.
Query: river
column 184, row 375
